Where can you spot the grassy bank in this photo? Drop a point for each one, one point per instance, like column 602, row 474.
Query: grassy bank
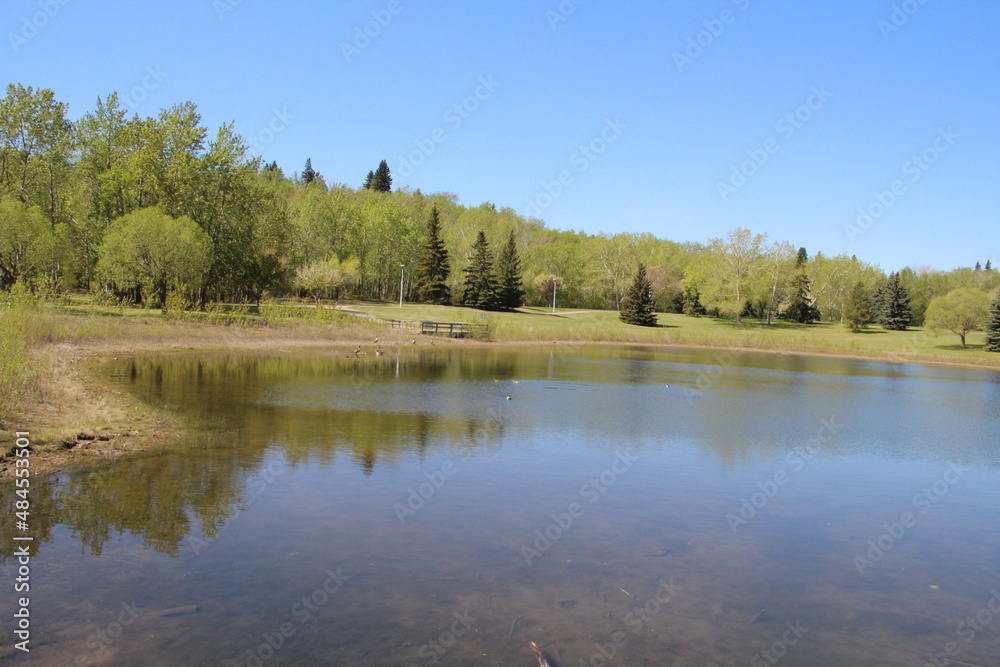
column 540, row 324
column 52, row 383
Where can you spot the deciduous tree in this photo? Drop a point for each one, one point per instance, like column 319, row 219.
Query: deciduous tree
column 960, row 311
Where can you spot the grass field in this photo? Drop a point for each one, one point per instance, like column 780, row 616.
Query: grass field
column 541, row 324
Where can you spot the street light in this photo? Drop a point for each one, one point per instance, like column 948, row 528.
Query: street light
column 402, row 267
column 555, row 282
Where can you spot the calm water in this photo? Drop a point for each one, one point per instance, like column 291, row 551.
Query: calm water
column 400, row 510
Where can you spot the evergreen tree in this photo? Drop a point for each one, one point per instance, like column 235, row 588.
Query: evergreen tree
column 692, row 302
column 433, row 267
column 308, row 175
column 800, row 308
column 979, row 267
column 801, row 258
column 857, row 311
column 993, row 327
column 637, row 306
column 989, row 265
column 382, row 181
column 369, row 180
column 480, row 281
column 891, row 305
column 510, row 292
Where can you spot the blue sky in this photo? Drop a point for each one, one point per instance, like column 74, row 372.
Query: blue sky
column 680, row 119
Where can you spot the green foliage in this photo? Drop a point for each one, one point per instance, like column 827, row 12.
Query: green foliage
column 19, row 330
column 725, row 272
column 433, row 267
column 510, row 290
column 637, row 306
column 692, row 302
column 308, row 173
column 322, row 279
column 800, row 308
column 960, row 312
column 891, row 305
column 153, row 250
column 857, row 311
column 176, row 303
column 381, row 179
column 27, row 244
column 480, row 281
column 993, row 326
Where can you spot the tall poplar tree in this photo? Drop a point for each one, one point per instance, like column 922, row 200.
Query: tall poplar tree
column 480, row 281
column 433, row 267
column 510, row 292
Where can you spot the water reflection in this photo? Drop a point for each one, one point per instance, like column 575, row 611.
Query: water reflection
column 298, row 462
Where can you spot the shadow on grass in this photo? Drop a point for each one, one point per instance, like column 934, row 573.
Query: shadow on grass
column 749, row 324
column 958, row 348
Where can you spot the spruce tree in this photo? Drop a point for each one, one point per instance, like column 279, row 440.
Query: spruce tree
column 800, row 308
column 308, row 174
column 510, row 292
column 892, row 305
column 801, row 258
column 989, row 265
column 691, row 300
column 369, row 180
column 637, row 306
column 857, row 311
column 382, row 180
column 480, row 281
column 993, row 327
column 433, row 267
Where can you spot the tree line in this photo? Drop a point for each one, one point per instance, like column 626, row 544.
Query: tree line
column 136, row 207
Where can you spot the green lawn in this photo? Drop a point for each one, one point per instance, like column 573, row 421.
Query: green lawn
column 573, row 325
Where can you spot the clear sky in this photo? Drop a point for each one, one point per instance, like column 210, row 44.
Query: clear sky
column 683, row 119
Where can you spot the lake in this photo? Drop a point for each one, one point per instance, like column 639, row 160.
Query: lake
column 448, row 505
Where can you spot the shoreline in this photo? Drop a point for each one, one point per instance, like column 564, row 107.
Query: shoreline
column 86, row 420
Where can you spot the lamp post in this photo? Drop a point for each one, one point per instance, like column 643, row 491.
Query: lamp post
column 555, row 282
column 402, row 267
